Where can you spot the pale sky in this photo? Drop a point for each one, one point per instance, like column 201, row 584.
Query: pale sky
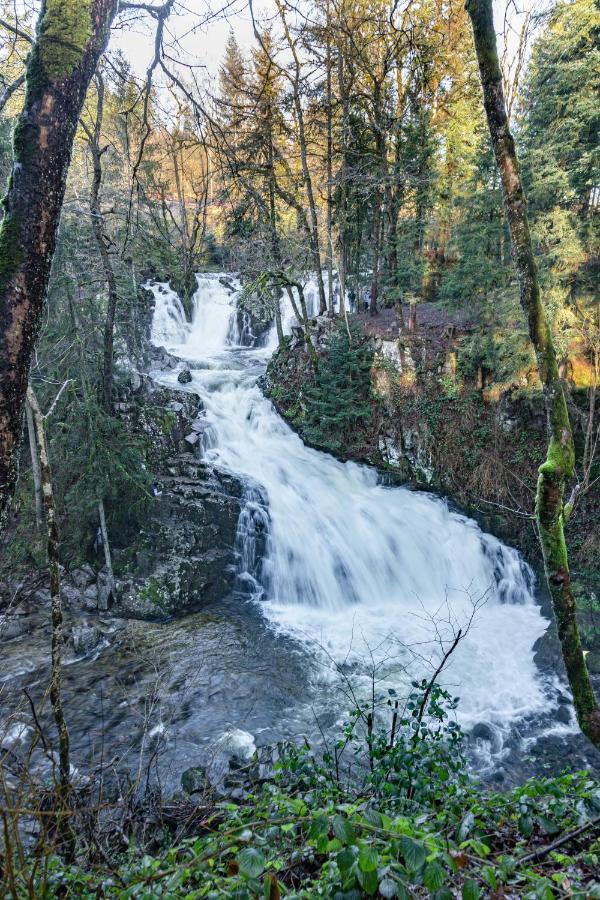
column 203, row 45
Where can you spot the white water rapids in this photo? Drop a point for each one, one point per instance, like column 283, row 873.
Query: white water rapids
column 355, row 569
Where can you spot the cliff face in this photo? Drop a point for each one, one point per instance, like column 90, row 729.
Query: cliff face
column 432, row 428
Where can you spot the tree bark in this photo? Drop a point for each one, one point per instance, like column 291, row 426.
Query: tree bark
column 551, row 511
column 35, row 467
column 306, row 176
column 58, row 75
column 64, row 767
column 99, row 230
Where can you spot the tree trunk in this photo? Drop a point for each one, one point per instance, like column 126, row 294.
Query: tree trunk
column 328, row 64
column 35, row 467
column 343, row 193
column 105, row 543
column 58, row 75
column 551, row 510
column 64, row 767
column 99, row 230
column 306, row 176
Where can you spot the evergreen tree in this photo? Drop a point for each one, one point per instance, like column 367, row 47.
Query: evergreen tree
column 338, row 410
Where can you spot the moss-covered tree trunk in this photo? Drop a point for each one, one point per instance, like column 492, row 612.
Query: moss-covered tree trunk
column 70, row 36
column 551, row 510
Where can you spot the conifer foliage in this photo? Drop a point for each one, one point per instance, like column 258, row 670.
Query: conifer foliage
column 337, row 403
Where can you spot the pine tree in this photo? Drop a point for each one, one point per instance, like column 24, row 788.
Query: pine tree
column 338, row 407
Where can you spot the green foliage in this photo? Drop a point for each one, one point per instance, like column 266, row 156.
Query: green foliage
column 481, row 246
column 311, row 832
column 338, row 407
column 104, row 463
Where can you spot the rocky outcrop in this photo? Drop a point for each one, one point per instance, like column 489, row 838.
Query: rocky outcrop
column 186, row 556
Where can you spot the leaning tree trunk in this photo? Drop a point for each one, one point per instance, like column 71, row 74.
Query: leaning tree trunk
column 551, row 510
column 58, row 75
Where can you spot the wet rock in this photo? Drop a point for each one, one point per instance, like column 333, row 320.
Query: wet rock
column 89, row 597
column 192, row 438
column 485, row 732
column 13, row 626
column 70, row 594
column 184, row 377
column 564, row 714
column 296, row 337
column 105, row 589
column 85, row 637
column 135, row 380
column 194, row 781
column 82, row 577
column 186, row 557
column 160, row 358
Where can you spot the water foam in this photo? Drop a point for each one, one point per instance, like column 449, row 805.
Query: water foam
column 367, row 575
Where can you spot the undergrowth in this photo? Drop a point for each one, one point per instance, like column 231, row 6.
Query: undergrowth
column 386, row 811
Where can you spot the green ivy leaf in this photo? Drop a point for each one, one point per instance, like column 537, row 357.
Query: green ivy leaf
column 368, row 881
column 387, row 888
column 414, row 853
column 465, row 827
column 343, row 830
column 345, row 859
column 367, row 858
column 471, row 890
column 251, row 861
column 525, row 826
column 434, row 876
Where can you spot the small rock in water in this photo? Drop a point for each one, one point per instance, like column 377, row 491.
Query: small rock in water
column 485, row 732
column 184, row 377
column 85, row 638
column 563, row 714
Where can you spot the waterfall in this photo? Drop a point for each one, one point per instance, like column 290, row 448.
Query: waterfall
column 355, row 569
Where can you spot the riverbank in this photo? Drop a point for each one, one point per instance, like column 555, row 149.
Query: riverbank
column 432, row 427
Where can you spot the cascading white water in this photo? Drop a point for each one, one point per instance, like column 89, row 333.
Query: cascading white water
column 355, row 567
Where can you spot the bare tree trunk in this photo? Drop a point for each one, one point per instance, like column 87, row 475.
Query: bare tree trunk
column 551, row 510
column 105, row 543
column 35, row 467
column 376, row 256
column 306, row 175
column 58, row 75
column 99, row 230
column 64, row 779
column 329, row 171
column 343, row 188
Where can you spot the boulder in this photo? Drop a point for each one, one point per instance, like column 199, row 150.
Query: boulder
column 184, row 377
column 13, row 626
column 89, row 597
column 85, row 637
column 186, row 557
column 82, row 577
column 104, row 590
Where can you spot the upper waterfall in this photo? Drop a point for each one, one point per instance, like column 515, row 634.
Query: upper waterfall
column 355, row 568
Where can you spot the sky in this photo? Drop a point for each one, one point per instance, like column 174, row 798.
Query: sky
column 203, row 45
